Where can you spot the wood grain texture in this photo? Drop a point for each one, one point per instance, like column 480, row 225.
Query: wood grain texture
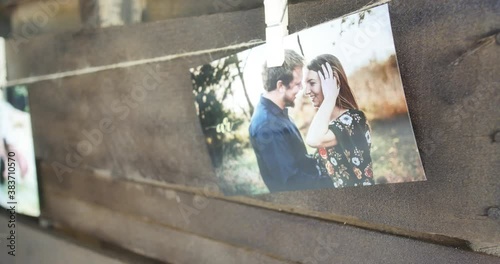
column 299, row 239
column 143, row 237
column 35, row 245
column 89, row 13
column 182, row 206
column 116, row 44
column 32, row 56
column 153, row 133
column 451, row 109
column 160, row 10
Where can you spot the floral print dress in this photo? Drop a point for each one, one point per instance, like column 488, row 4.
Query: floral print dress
column 349, row 162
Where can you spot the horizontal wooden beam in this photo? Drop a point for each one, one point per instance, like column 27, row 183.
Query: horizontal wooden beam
column 150, row 98
column 98, row 47
column 202, row 212
column 273, row 233
column 29, row 55
column 143, row 237
column 37, row 245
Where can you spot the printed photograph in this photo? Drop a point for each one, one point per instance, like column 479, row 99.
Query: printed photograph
column 334, row 115
column 16, row 135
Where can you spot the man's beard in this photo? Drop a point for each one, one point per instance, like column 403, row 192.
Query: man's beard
column 289, row 102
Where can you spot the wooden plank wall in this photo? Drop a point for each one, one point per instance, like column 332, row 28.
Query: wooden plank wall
column 144, row 182
column 36, row 245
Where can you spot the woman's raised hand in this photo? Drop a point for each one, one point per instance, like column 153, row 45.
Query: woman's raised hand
column 319, row 135
column 329, row 84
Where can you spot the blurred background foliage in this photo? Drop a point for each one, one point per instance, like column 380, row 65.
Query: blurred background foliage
column 212, row 85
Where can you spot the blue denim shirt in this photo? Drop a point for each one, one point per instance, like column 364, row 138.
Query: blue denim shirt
column 281, row 154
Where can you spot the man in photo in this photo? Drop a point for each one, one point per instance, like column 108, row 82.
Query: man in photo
column 278, row 145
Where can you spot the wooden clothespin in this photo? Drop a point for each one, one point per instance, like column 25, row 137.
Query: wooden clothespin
column 277, row 29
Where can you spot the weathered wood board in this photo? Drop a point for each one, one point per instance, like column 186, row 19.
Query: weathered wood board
column 160, row 10
column 106, row 46
column 34, row 245
column 298, row 239
column 453, row 110
column 143, row 237
column 121, row 126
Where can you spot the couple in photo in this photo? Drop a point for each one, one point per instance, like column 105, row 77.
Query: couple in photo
column 339, row 131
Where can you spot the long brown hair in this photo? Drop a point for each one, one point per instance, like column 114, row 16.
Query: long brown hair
column 346, row 99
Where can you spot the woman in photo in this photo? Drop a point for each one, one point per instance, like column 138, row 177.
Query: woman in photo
column 339, row 130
